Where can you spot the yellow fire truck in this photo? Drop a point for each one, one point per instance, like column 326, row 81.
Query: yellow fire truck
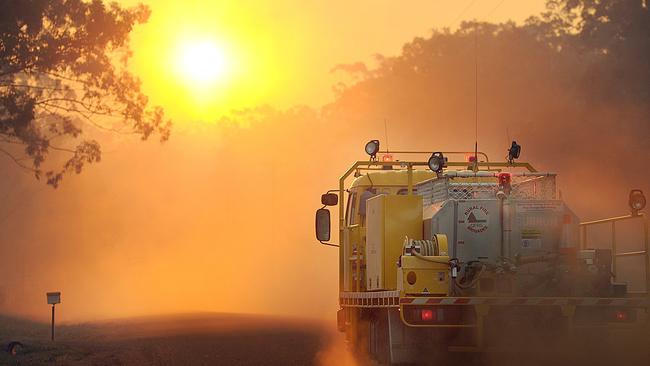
column 438, row 256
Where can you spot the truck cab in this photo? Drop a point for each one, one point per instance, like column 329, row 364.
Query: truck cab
column 363, row 188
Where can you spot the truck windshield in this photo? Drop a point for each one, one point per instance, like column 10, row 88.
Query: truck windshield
column 365, row 196
column 356, row 208
column 405, row 191
column 351, row 210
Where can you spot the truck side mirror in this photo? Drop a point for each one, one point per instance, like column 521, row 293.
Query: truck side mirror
column 323, row 224
column 329, row 199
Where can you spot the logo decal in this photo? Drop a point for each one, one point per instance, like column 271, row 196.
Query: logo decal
column 476, row 219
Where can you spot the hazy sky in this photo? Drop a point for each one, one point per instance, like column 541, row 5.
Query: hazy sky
column 281, row 52
column 155, row 228
column 220, row 218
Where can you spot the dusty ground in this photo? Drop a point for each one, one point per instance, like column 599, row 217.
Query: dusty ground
column 196, row 339
column 228, row 339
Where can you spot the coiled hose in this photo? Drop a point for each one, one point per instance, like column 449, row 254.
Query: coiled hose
column 428, row 250
column 424, row 249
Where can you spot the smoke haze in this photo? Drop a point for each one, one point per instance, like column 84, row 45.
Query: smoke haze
column 220, row 218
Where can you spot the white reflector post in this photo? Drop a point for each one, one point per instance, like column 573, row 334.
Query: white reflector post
column 53, row 298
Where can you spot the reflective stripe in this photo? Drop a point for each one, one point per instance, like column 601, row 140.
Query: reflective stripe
column 392, row 299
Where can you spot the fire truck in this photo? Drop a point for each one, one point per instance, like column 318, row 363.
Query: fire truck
column 470, row 255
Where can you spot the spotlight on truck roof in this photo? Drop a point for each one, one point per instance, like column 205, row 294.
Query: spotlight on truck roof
column 372, row 148
column 436, row 162
column 637, row 201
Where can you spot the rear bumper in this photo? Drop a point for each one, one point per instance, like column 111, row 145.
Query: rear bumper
column 483, row 324
column 468, row 312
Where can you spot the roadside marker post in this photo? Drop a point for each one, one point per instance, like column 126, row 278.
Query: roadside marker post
column 53, row 298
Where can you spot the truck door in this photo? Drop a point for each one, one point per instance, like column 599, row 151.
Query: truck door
column 351, row 243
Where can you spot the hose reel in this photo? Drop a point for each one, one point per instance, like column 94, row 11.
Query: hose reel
column 435, row 247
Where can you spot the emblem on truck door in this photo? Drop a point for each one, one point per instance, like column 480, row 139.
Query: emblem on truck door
column 476, row 219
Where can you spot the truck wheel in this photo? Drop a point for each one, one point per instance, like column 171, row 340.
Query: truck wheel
column 378, row 337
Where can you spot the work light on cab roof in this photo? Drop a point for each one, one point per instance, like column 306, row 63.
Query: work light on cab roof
column 372, row 148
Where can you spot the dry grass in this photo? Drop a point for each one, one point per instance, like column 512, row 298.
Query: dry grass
column 196, row 339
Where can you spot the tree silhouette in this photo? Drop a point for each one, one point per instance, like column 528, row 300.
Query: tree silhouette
column 613, row 39
column 63, row 68
column 573, row 84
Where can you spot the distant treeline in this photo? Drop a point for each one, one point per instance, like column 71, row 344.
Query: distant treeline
column 571, row 84
column 597, row 51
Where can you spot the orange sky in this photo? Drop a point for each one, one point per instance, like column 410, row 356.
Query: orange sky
column 281, row 52
column 153, row 228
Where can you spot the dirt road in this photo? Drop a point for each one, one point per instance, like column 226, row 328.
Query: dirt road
column 193, row 339
column 229, row 339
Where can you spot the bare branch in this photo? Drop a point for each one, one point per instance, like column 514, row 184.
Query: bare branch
column 87, row 117
column 17, row 161
column 36, row 87
column 61, row 149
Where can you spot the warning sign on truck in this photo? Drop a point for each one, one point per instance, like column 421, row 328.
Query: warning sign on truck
column 531, row 238
column 476, row 218
column 540, row 206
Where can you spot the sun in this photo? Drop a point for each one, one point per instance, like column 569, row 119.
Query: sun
column 201, row 63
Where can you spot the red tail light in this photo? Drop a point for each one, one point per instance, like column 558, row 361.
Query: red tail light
column 620, row 315
column 427, row 315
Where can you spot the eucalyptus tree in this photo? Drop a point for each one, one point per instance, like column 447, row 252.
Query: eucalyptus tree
column 64, row 72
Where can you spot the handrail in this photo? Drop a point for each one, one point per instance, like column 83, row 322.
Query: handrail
column 613, row 220
column 628, row 254
column 610, row 219
column 369, row 163
column 487, row 159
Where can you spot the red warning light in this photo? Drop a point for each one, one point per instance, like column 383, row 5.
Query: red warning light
column 427, row 315
column 471, row 158
column 504, row 179
column 387, row 158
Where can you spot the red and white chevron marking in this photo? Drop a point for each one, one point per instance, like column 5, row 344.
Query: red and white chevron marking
column 512, row 301
column 392, row 299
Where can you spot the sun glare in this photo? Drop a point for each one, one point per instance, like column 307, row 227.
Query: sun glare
column 202, row 64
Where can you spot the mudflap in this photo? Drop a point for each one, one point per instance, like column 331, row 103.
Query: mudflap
column 412, row 344
column 391, row 342
column 402, row 340
column 340, row 320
